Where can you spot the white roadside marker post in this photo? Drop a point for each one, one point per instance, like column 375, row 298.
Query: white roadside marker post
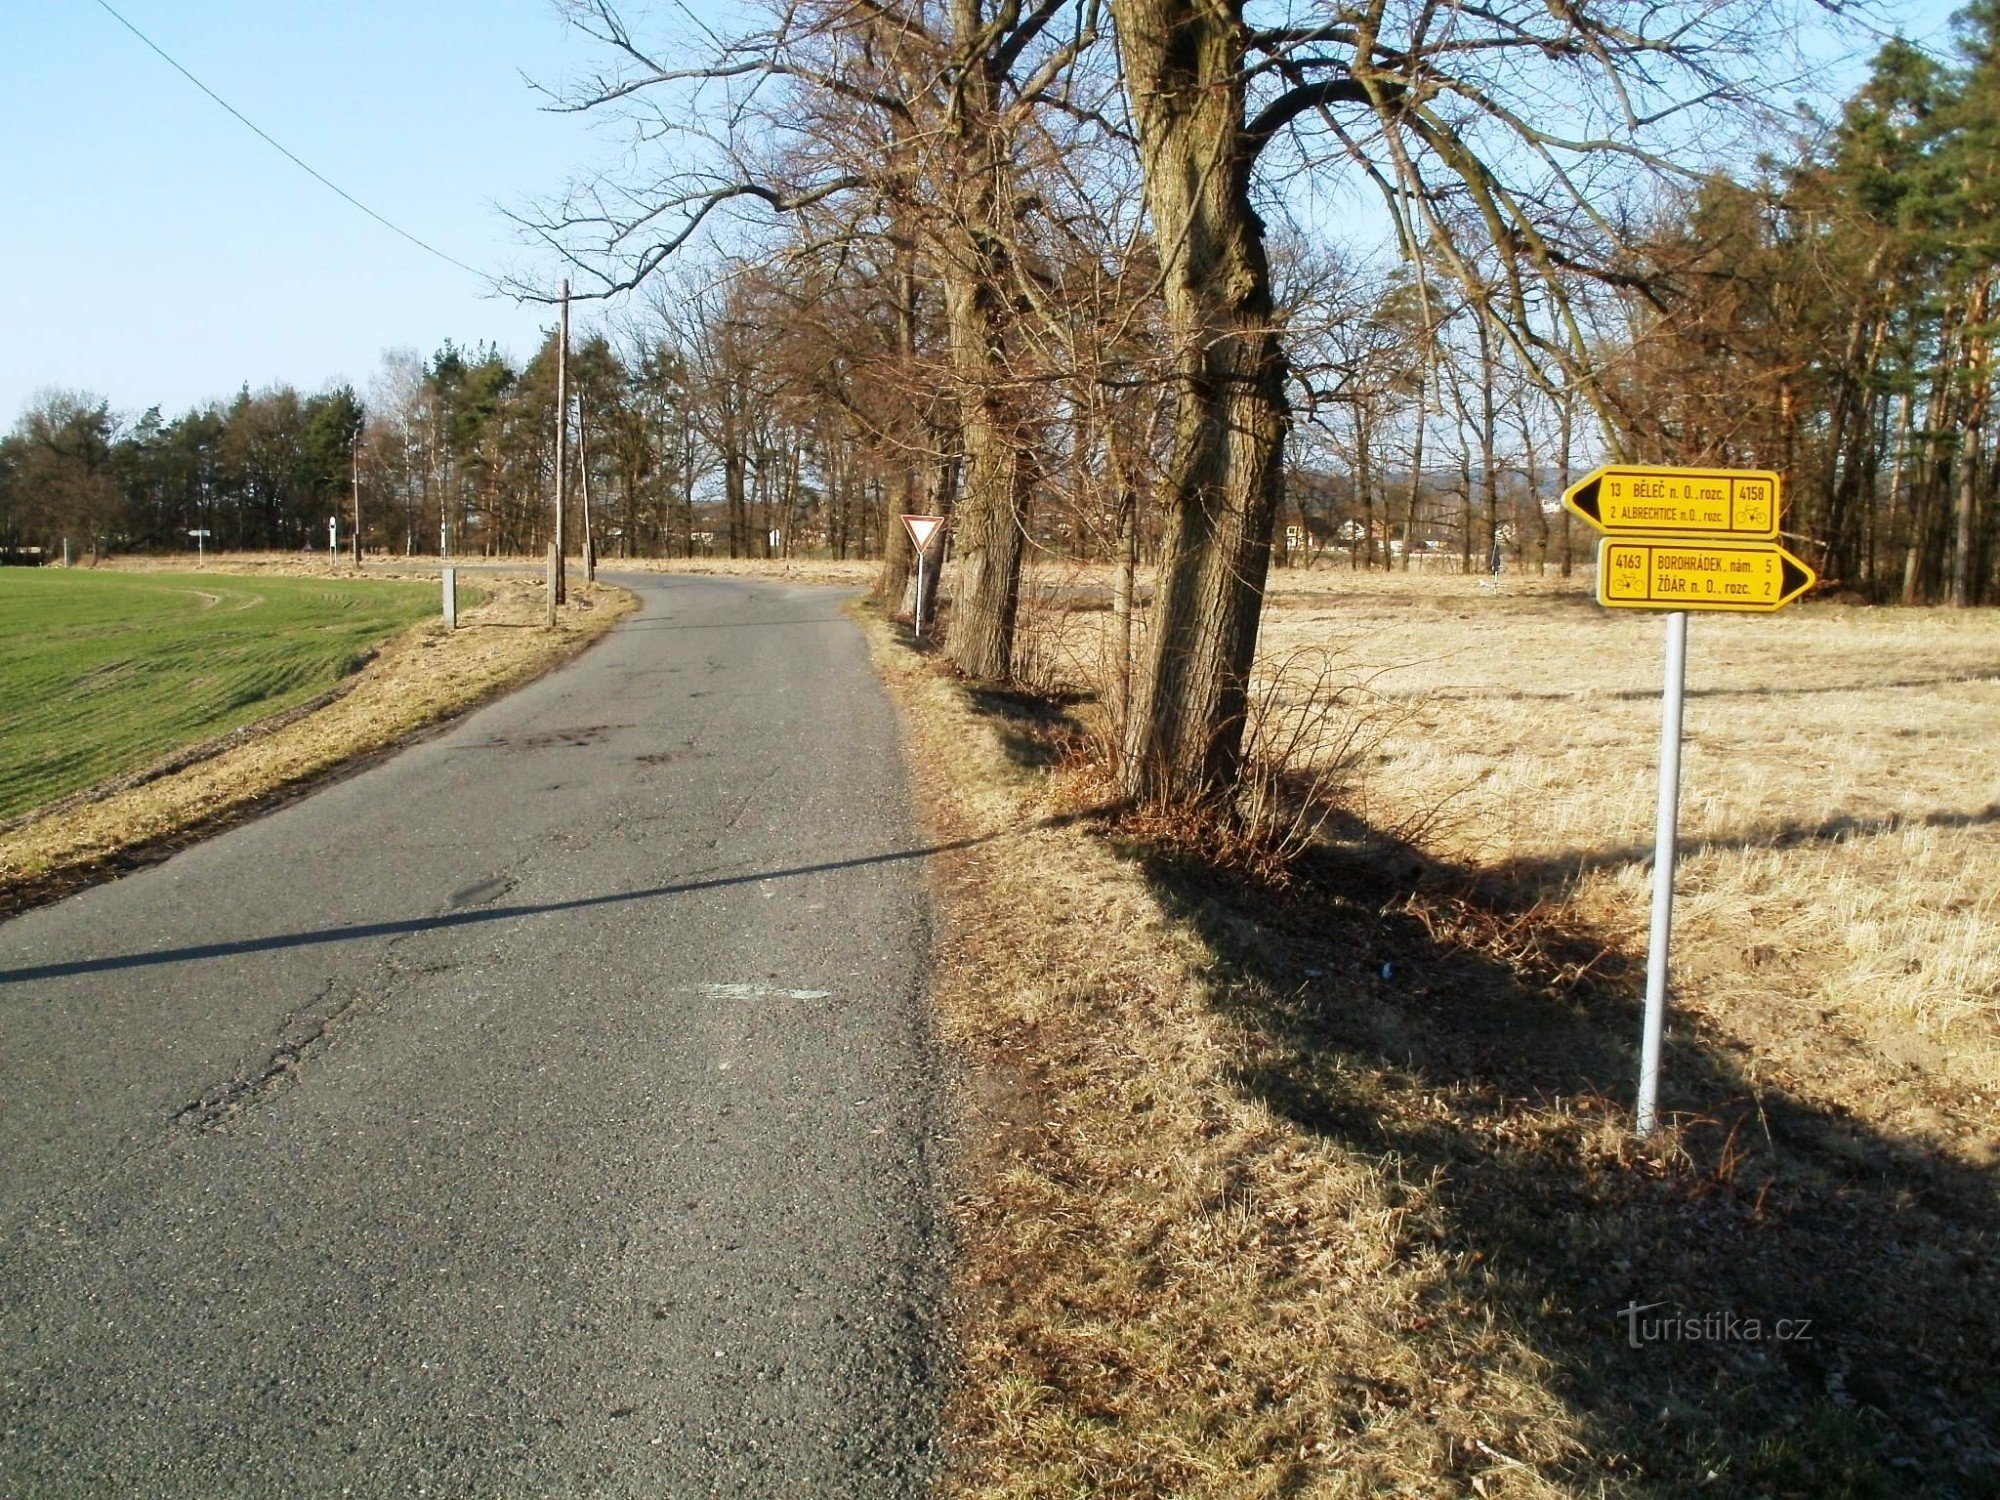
column 451, row 598
column 1666, row 842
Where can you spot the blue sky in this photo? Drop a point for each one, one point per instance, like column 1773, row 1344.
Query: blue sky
column 156, row 251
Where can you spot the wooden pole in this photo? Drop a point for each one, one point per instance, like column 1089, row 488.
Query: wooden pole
column 555, row 574
column 558, row 584
column 355, row 456
column 583, row 485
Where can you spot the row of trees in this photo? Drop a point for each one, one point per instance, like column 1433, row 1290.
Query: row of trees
column 1089, row 279
column 1833, row 318
column 679, row 446
column 713, row 430
column 259, row 471
column 1023, row 254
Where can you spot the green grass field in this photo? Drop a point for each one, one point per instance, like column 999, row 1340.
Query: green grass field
column 103, row 673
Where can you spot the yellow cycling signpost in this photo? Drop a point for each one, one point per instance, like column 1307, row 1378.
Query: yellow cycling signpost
column 1681, row 540
column 1659, row 572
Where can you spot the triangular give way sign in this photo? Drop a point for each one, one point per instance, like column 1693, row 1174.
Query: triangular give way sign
column 922, row 529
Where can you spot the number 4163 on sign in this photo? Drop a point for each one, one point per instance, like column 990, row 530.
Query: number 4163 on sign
column 1657, row 572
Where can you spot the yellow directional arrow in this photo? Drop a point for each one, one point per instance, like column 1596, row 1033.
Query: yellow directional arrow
column 1703, row 502
column 1665, row 572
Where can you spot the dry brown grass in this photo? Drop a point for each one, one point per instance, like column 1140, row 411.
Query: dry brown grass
column 1333, row 1192
column 1157, row 1274
column 1839, row 899
column 420, row 678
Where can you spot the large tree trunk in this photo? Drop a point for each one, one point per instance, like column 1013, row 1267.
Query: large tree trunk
column 995, row 439
column 1566, row 433
column 1364, row 478
column 1920, row 565
column 1966, row 510
column 1489, row 462
column 1124, row 585
column 897, row 558
column 941, row 501
column 1220, row 493
column 733, row 481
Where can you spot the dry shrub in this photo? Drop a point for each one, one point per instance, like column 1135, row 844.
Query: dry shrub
column 1058, row 640
column 1312, row 731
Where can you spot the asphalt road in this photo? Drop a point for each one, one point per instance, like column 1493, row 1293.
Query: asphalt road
column 545, row 1111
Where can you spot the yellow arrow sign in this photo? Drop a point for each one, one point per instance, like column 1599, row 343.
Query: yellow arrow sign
column 1664, row 572
column 1702, row 502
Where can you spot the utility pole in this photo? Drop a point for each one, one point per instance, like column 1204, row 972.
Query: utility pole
column 559, row 585
column 355, row 454
column 583, row 484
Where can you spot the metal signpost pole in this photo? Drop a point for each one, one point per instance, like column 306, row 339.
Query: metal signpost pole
column 919, row 611
column 1666, row 839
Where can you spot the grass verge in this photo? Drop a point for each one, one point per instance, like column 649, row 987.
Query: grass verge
column 102, row 673
column 415, row 681
column 1331, row 1192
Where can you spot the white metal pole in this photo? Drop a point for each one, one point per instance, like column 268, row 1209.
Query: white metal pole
column 919, row 611
column 1666, row 837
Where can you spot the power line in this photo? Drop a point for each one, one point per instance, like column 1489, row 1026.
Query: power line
column 285, row 152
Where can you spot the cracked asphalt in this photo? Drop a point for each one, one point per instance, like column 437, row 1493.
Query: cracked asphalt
column 548, row 1110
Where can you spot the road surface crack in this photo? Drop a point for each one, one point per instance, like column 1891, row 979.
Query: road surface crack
column 304, row 1036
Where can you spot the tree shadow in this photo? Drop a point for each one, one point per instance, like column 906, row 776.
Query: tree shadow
column 1036, row 730
column 1544, row 876
column 1650, row 694
column 1405, row 1008
column 472, row 914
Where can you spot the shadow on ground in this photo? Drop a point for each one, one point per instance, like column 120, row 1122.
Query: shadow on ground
column 1550, row 875
column 1414, row 1011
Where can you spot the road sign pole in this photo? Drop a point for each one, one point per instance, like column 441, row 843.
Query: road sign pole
column 921, row 530
column 1666, row 837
